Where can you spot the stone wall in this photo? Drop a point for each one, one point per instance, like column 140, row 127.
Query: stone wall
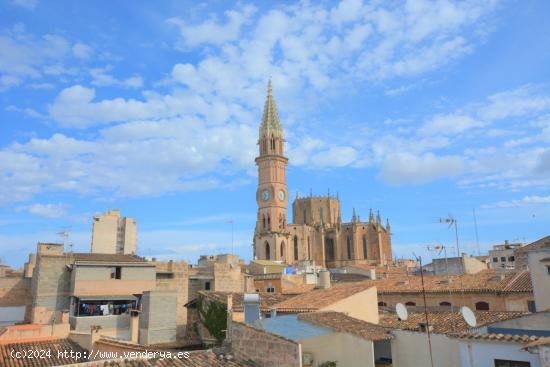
column 265, row 349
column 228, row 278
column 179, row 283
column 51, row 284
column 157, row 322
column 15, row 291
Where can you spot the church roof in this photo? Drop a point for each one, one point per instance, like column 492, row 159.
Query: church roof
column 271, row 125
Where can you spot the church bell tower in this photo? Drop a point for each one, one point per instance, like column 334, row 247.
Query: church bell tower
column 271, row 235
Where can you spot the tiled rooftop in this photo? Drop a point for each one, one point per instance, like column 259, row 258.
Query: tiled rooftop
column 499, row 337
column 347, row 324
column 196, row 359
column 320, row 298
column 85, row 256
column 444, row 322
column 54, row 346
column 267, row 300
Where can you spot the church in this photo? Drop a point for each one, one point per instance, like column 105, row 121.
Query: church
column 316, row 232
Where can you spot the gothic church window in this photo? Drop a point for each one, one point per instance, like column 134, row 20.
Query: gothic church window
column 482, row 306
column 295, row 247
column 349, row 247
column 308, row 249
column 364, row 246
column 267, row 251
column 305, row 215
column 321, row 215
column 282, row 249
column 263, row 220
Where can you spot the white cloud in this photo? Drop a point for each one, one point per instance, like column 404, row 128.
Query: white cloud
column 102, row 78
column 404, row 168
column 212, row 32
column 449, row 124
column 29, row 4
column 525, row 201
column 82, row 50
column 26, row 57
column 46, row 210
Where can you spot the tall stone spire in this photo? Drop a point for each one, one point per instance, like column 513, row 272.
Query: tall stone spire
column 271, row 125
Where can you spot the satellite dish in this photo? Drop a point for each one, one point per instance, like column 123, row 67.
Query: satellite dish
column 401, row 310
column 468, row 316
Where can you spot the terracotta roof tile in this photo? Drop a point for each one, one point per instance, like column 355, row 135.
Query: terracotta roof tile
column 85, row 256
column 320, row 298
column 41, row 348
column 347, row 324
column 196, row 359
column 485, row 281
column 444, row 322
column 499, row 337
column 267, row 300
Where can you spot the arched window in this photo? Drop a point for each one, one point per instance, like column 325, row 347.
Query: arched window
column 295, row 247
column 282, row 249
column 267, row 251
column 263, row 220
column 321, row 215
column 410, row 303
column 448, row 304
column 268, row 221
column 364, row 246
column 305, row 215
column 308, row 249
column 349, row 247
column 382, row 304
column 482, row 306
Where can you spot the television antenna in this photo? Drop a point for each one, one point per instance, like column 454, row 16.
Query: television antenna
column 64, row 234
column 401, row 311
column 438, row 249
column 468, row 316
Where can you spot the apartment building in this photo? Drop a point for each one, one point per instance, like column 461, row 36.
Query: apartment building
column 113, row 234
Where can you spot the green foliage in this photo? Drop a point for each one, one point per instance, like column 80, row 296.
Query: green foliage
column 213, row 316
column 328, row 364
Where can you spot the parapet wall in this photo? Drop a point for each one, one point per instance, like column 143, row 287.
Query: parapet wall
column 265, row 349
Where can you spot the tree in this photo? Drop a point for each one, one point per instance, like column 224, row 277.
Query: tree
column 213, row 315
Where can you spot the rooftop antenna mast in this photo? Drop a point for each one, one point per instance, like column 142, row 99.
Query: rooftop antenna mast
column 419, row 259
column 64, row 234
column 477, row 236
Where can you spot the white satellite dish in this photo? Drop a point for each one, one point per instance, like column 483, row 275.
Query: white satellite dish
column 402, row 312
column 468, row 316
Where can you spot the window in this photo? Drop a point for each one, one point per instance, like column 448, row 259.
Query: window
column 270, row 290
column 511, row 258
column 410, row 303
column 507, row 363
column 308, row 249
column 295, row 247
column 482, row 306
column 495, row 259
column 263, row 219
column 267, row 251
column 206, row 286
column 503, row 259
column 445, row 303
column 531, row 306
column 349, row 247
column 364, row 246
column 305, row 215
column 321, row 215
column 382, row 304
column 257, row 290
column 282, row 249
column 116, row 272
column 548, row 269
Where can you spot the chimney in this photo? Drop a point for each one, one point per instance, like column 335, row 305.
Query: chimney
column 372, row 274
column 324, row 279
column 251, row 308
column 134, row 326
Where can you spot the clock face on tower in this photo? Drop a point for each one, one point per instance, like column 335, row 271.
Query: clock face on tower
column 281, row 195
column 265, row 195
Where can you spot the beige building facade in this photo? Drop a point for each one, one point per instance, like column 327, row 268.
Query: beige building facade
column 317, row 232
column 113, row 234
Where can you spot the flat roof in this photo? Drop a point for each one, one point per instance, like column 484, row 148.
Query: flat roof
column 290, row 327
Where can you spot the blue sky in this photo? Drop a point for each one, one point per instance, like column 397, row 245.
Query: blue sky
column 418, row 109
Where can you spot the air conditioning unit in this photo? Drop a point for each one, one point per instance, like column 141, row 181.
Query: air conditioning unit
column 307, row 359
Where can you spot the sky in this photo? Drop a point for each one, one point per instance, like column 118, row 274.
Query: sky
column 419, row 109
